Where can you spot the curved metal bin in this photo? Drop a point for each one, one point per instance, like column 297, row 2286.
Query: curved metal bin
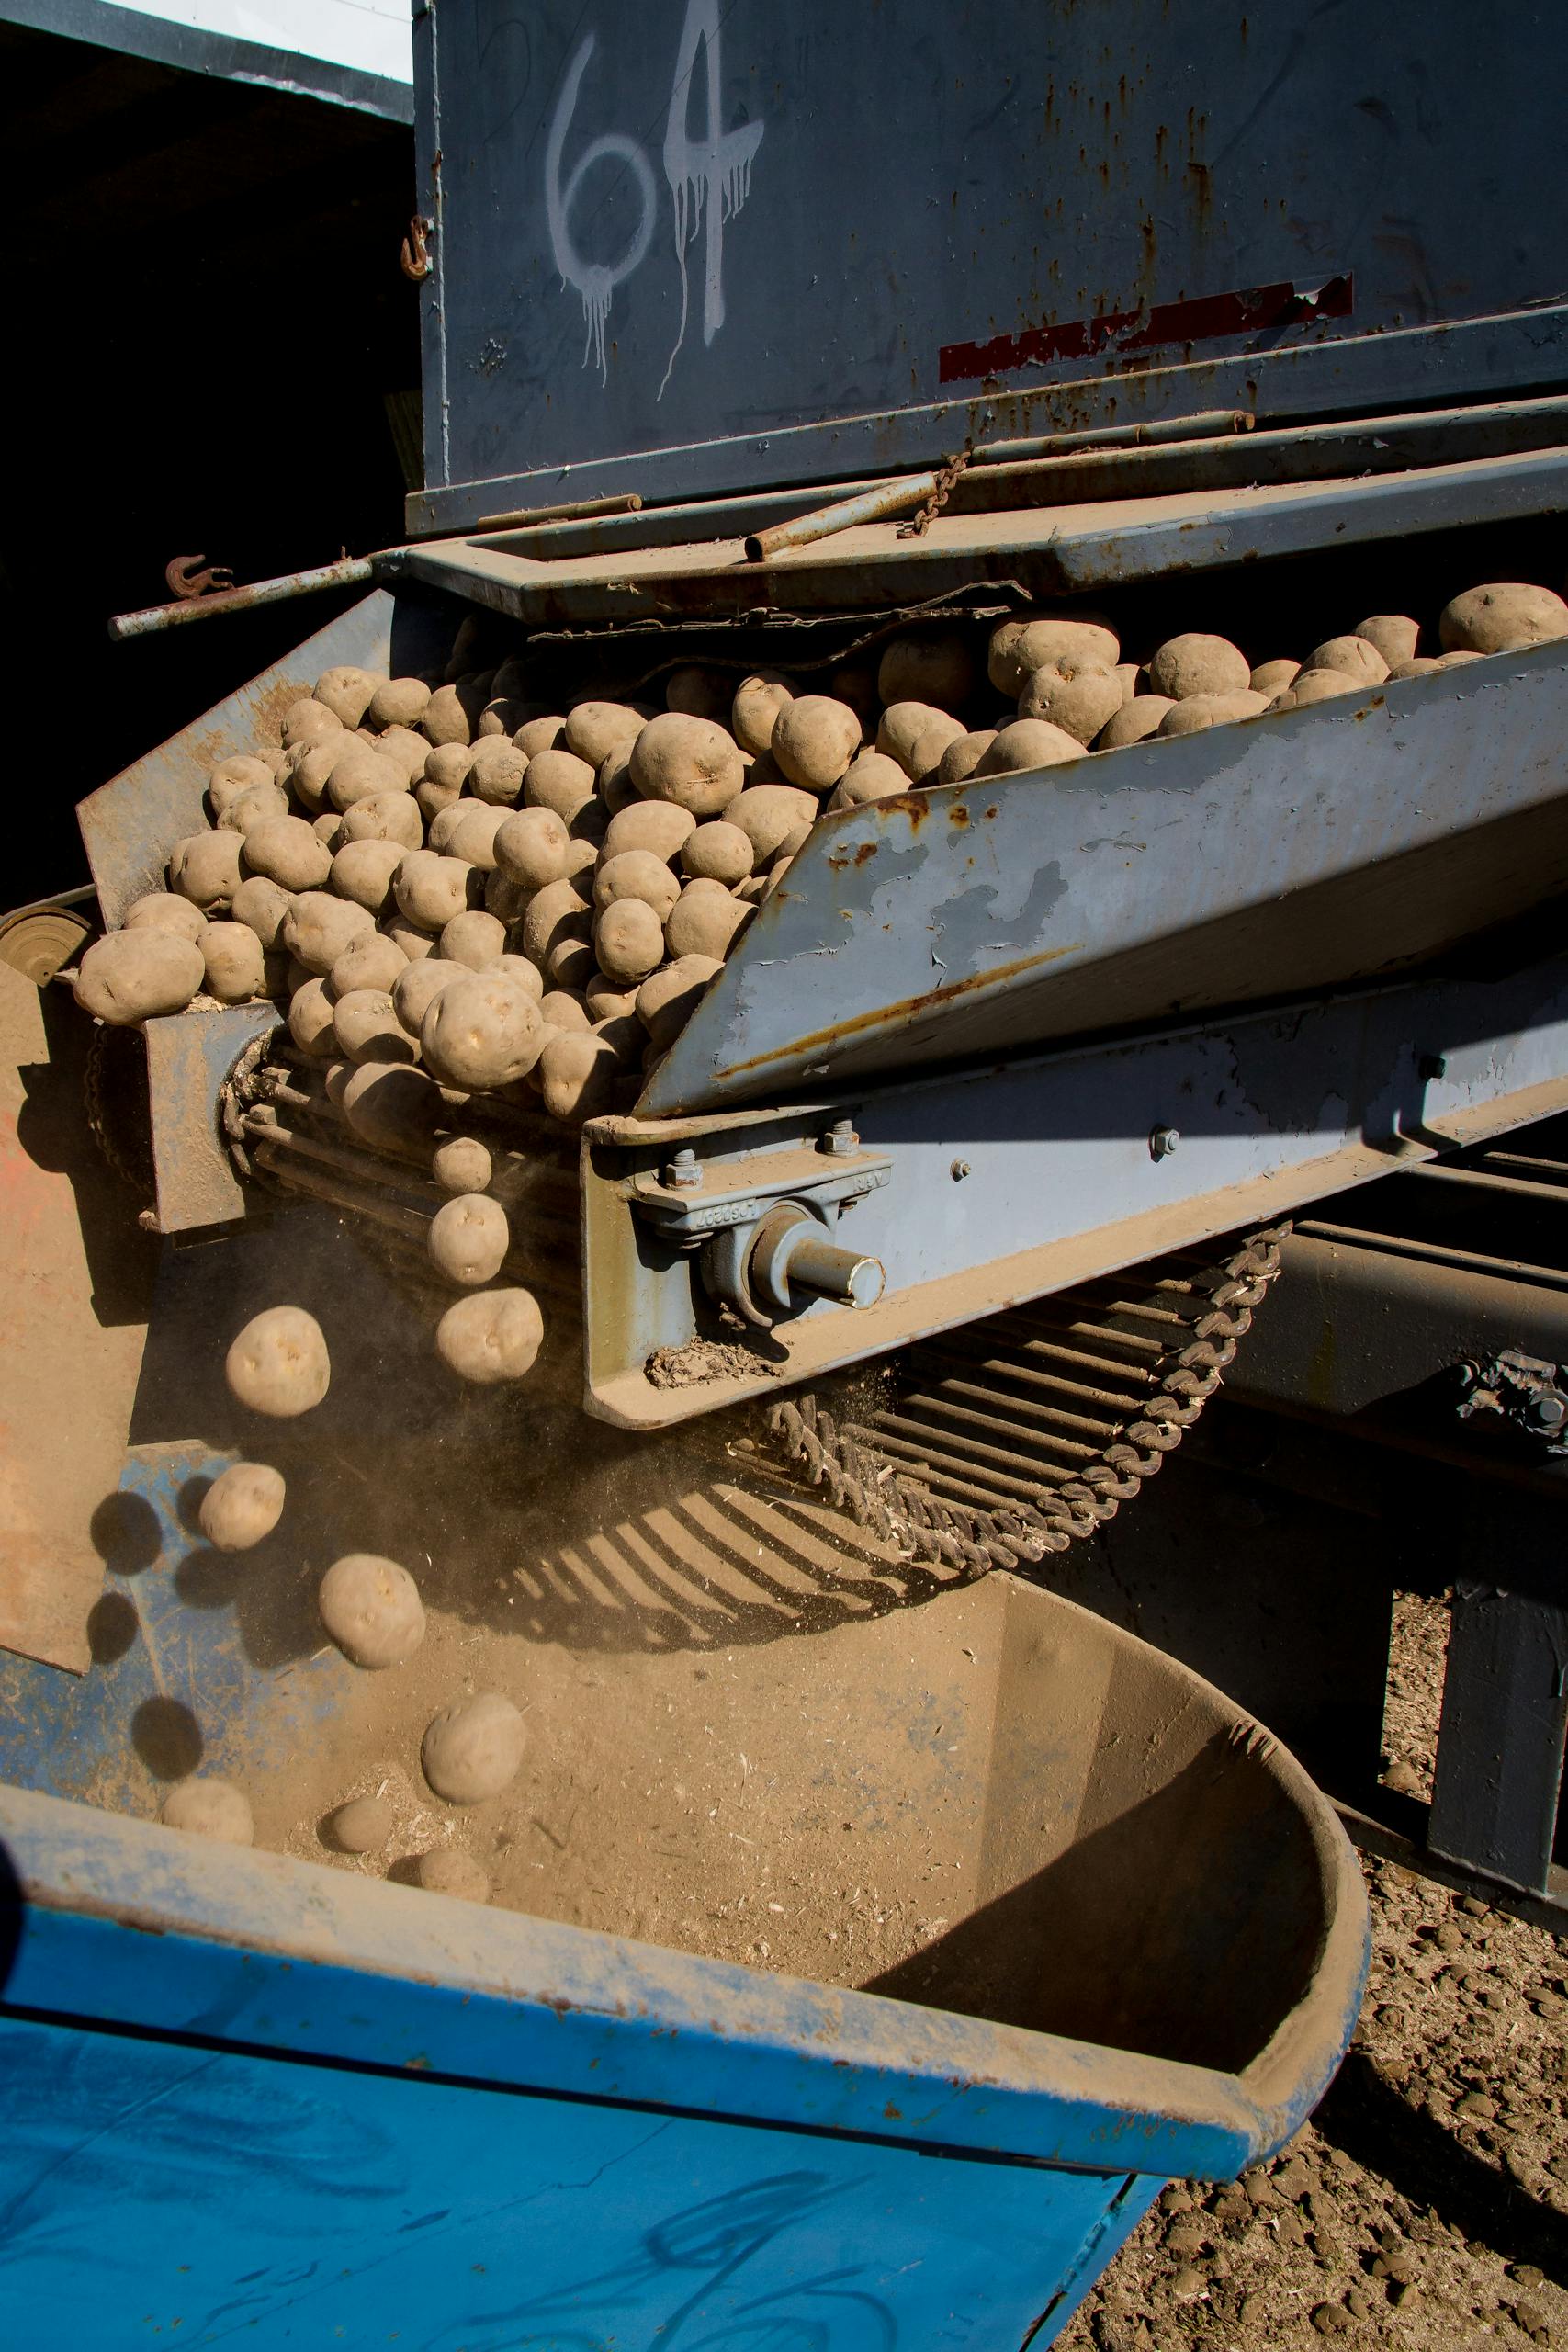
column 255, row 2098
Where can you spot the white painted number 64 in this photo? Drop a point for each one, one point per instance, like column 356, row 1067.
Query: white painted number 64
column 709, row 178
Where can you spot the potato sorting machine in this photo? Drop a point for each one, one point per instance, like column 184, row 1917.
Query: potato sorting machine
column 750, row 344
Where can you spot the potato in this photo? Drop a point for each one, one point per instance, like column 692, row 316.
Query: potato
column 502, row 715
column 626, row 1038
column 370, row 1607
column 286, row 852
column 667, row 1002
column 161, row 910
column 310, row 769
column 916, row 735
column 1354, row 655
column 347, row 692
column 594, row 729
column 444, row 823
column 414, row 942
column 657, row 827
column 393, row 1108
column 1195, row 712
column 543, row 734
column 401, row 748
column 504, row 898
column 209, row 1808
column 690, row 761
column 372, row 962
column 560, row 781
column 481, row 1031
column 261, row 805
column 206, row 869
column 132, row 976
column 243, row 1505
column 704, row 921
column 319, row 924
column 473, row 1748
column 1197, row 664
column 715, row 852
column 962, row 757
column 700, row 692
column 473, row 939
column 640, row 874
column 1451, row 661
column 358, row 774
column 815, row 740
column 307, row 721
column 559, row 911
column 523, row 974
column 468, row 1239
column 278, row 1365
column 1134, row 722
column 1395, row 635
column 363, row 1825
column 446, row 767
column 562, row 1010
column 1028, row 743
column 446, row 719
column 431, row 890
column 1018, row 647
column 629, row 937
column 571, row 962
column 613, row 787
column 1315, row 685
column 1129, row 676
column 755, row 709
column 937, row 668
column 327, row 828
column 1080, row 698
column 311, row 1019
column 473, row 836
column 531, row 845
column 383, row 817
column 366, row 1028
column 397, row 702
column 446, row 1870
column 579, row 1074
column 364, row 872
column 604, row 997
column 462, row 1165
column 497, row 772
column 236, row 969
column 872, row 776
column 768, row 813
column 231, row 777
column 1271, row 678
column 1501, row 618
column 417, row 987
column 1418, row 666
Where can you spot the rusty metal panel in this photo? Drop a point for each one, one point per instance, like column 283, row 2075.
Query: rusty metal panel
column 1289, row 852
column 682, row 251
column 130, row 824
column 189, row 1055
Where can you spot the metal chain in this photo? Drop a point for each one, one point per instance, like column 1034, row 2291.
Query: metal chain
column 921, row 521
column 886, row 1500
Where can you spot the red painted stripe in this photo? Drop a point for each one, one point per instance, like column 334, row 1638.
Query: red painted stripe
column 1255, row 310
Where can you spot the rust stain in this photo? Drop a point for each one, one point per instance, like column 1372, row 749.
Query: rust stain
column 907, row 1010
column 959, row 815
column 866, row 848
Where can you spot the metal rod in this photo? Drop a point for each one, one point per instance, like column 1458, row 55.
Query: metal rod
column 578, row 510
column 878, row 505
column 1394, row 1245
column 1208, row 424
column 154, row 618
column 1501, row 1186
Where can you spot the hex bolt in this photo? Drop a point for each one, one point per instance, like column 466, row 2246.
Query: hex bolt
column 959, row 1169
column 683, row 1175
column 1163, row 1142
column 840, row 1140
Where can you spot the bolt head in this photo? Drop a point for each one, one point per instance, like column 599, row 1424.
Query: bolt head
column 959, row 1169
column 1162, row 1141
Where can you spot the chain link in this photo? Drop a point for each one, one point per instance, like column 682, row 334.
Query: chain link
column 921, row 521
column 886, row 1500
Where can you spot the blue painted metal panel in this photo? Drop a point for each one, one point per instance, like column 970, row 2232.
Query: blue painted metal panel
column 686, row 251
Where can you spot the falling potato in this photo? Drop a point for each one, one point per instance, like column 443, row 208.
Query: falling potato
column 243, row 1505
column 132, row 976
column 473, row 1748
column 491, row 1334
column 209, row 1808
column 468, row 1239
column 462, row 1164
column 278, row 1365
column 393, row 1108
column 371, row 1609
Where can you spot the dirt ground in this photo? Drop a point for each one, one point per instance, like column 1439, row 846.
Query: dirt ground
column 1425, row 2206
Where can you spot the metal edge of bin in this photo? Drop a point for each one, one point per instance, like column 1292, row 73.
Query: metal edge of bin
column 126, row 1923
